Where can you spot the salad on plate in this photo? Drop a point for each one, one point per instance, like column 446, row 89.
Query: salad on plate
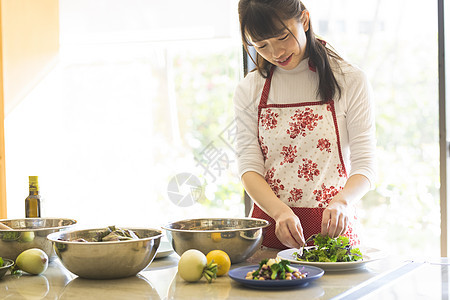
column 328, row 249
column 275, row 269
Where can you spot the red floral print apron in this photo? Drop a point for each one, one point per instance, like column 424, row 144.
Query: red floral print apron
column 303, row 161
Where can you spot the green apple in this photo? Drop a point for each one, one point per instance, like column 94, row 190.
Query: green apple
column 33, row 261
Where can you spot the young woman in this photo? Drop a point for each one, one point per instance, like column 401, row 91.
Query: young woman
column 306, row 130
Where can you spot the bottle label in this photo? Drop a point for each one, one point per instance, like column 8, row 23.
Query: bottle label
column 34, row 187
column 33, row 184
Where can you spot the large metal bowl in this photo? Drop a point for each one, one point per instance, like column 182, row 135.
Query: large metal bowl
column 30, row 233
column 239, row 238
column 105, row 260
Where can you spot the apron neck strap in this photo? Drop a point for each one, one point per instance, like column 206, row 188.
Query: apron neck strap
column 266, row 89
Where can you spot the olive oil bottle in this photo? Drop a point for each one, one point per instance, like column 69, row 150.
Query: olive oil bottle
column 33, row 201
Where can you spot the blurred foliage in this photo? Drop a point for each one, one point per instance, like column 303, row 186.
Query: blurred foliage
column 204, row 85
column 408, row 150
column 403, row 211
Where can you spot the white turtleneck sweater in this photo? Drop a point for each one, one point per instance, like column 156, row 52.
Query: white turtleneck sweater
column 354, row 112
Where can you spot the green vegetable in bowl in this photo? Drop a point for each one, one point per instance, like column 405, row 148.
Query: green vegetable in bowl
column 9, row 236
column 330, row 250
column 112, row 233
column 275, row 269
column 117, row 234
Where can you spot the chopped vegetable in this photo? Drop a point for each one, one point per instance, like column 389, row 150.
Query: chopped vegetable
column 275, row 269
column 330, row 250
column 111, row 234
column 1, row 262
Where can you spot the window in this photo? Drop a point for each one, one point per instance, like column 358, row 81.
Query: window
column 399, row 55
column 133, row 126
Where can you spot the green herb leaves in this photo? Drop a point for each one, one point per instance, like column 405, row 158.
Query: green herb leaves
column 331, row 250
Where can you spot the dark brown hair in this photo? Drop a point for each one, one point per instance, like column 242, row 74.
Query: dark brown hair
column 261, row 19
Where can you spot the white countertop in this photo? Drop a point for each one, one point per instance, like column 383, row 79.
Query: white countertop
column 388, row 278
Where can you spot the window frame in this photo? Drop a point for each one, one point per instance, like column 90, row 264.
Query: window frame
column 444, row 141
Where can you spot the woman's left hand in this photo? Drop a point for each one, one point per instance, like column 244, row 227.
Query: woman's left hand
column 335, row 218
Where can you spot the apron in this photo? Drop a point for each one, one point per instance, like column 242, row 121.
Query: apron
column 302, row 161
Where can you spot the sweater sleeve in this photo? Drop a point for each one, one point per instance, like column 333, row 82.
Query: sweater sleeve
column 360, row 116
column 248, row 151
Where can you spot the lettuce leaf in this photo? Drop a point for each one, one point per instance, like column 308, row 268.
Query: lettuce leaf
column 331, row 250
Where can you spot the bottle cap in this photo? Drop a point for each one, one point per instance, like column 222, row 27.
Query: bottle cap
column 33, row 178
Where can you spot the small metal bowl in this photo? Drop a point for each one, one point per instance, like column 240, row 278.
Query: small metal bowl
column 30, row 233
column 7, row 263
column 239, row 238
column 105, row 260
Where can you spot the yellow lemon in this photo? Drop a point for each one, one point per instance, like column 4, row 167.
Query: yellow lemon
column 222, row 260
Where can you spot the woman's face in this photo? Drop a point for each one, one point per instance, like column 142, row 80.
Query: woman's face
column 288, row 49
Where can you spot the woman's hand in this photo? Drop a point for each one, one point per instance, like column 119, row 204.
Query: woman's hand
column 335, row 218
column 288, row 230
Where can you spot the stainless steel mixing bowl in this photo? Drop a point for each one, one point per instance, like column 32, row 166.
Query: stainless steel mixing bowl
column 30, row 233
column 239, row 238
column 105, row 260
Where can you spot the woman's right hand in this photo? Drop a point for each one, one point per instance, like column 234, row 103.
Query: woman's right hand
column 288, row 230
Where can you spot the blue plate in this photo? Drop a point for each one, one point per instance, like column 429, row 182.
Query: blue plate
column 239, row 274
